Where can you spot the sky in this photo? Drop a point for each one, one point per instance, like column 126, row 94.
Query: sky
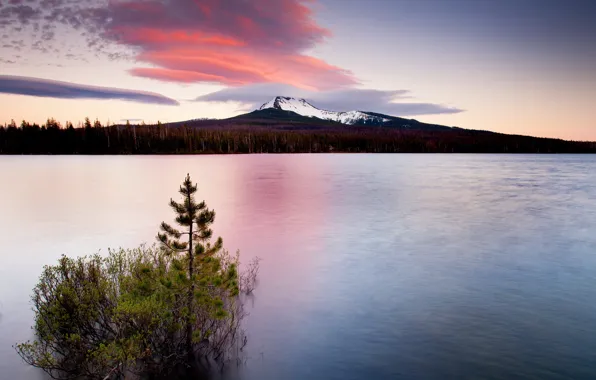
column 524, row 67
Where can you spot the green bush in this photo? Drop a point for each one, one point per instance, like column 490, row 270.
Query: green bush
column 144, row 311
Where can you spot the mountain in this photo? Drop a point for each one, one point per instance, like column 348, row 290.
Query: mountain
column 284, row 112
column 361, row 118
column 304, row 108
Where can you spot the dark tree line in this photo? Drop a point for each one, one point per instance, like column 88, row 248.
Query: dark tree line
column 214, row 137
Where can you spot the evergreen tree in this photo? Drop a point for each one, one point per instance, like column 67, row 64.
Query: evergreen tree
column 143, row 313
column 193, row 241
column 52, row 124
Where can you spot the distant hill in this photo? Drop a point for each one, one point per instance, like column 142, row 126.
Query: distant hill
column 282, row 125
column 359, row 118
column 282, row 110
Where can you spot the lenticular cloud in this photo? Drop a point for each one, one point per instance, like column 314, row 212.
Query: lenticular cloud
column 57, row 89
column 231, row 42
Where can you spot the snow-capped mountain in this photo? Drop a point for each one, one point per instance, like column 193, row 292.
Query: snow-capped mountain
column 304, row 108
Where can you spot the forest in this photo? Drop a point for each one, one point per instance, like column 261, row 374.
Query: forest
column 242, row 137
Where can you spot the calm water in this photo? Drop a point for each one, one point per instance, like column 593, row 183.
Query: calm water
column 374, row 266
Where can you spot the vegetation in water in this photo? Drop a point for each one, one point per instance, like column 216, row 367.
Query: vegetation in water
column 152, row 312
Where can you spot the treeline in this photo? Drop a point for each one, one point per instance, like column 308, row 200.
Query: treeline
column 218, row 138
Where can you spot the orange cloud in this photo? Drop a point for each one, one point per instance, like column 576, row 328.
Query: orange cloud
column 168, row 38
column 233, row 42
column 180, row 76
column 237, row 67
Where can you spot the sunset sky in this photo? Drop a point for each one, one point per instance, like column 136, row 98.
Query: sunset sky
column 513, row 66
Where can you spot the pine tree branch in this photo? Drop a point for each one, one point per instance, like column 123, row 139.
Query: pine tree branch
column 179, row 246
column 184, row 220
column 171, row 245
column 178, row 208
column 170, row 230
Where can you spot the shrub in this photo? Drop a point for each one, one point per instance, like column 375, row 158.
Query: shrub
column 146, row 311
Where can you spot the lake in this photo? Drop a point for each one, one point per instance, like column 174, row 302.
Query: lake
column 374, row 266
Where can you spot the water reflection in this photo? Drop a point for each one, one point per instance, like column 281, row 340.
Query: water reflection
column 374, row 266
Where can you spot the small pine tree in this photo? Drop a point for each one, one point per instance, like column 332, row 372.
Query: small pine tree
column 160, row 130
column 127, row 314
column 52, row 124
column 194, row 242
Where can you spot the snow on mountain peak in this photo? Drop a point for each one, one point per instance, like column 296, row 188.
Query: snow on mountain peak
column 304, row 108
column 287, row 104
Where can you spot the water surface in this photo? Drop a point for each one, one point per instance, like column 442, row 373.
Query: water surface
column 374, row 266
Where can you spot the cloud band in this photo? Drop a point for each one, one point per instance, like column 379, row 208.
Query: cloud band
column 65, row 90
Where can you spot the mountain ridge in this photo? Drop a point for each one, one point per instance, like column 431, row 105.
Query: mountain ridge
column 304, row 108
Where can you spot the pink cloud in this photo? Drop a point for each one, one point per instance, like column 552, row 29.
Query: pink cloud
column 180, row 76
column 233, row 42
column 158, row 38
